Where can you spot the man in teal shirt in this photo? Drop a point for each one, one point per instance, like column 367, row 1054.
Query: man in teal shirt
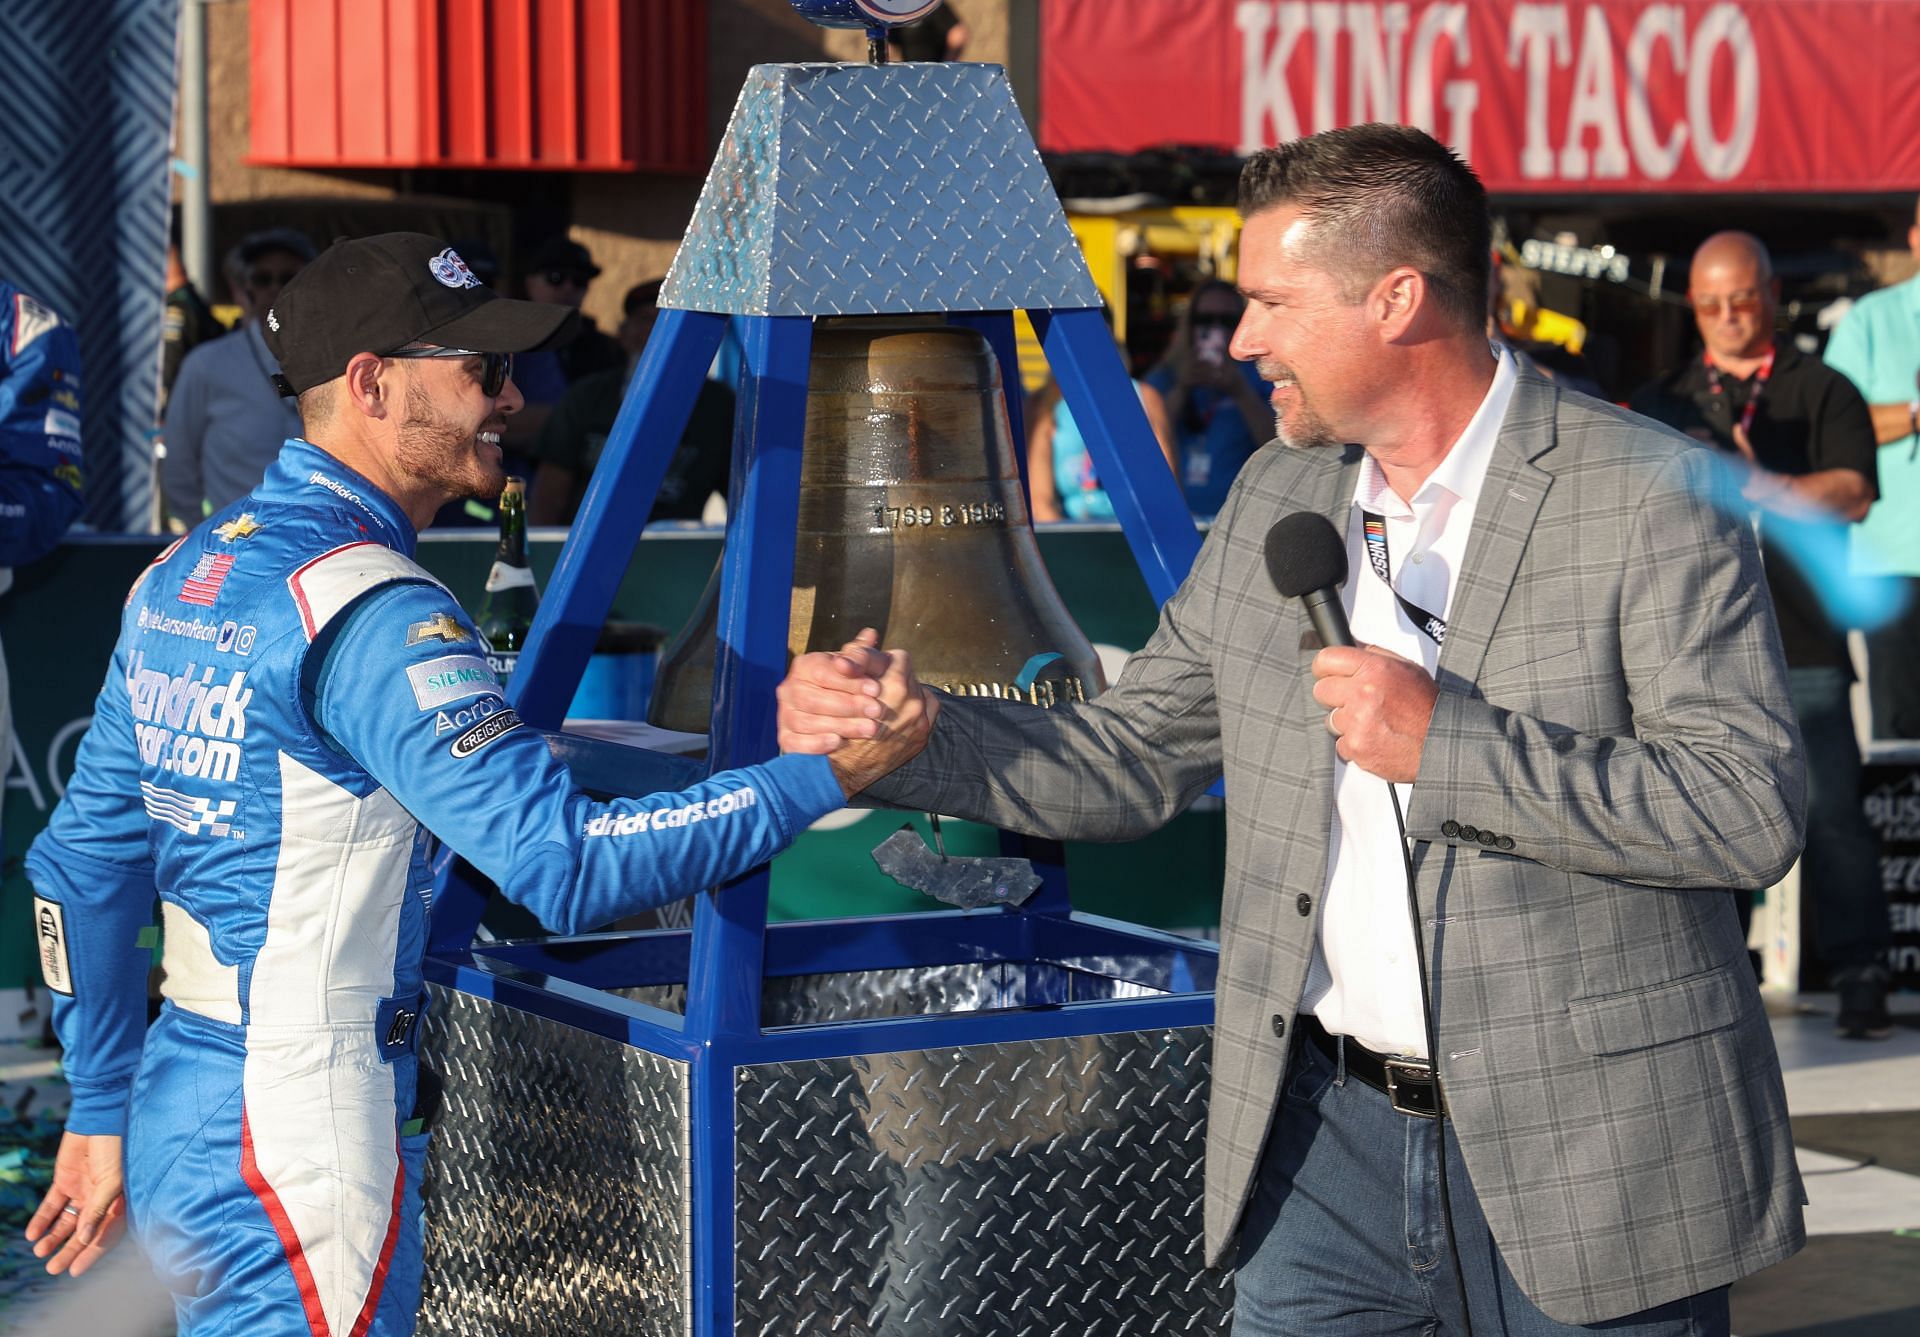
column 1877, row 346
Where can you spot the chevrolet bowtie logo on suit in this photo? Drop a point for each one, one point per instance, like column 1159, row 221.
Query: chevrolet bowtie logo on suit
column 439, row 627
column 241, row 526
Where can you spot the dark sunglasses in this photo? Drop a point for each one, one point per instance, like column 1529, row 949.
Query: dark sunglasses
column 494, row 371
column 262, row 279
column 1220, row 321
column 567, row 278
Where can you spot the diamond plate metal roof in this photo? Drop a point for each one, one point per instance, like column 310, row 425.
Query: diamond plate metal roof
column 846, row 189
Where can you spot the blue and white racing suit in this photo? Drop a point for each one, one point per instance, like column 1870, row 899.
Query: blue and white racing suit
column 40, row 473
column 293, row 705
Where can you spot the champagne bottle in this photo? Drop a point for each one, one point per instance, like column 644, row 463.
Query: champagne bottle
column 506, row 612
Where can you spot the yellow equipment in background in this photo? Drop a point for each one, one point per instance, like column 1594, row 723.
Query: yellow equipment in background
column 1197, row 240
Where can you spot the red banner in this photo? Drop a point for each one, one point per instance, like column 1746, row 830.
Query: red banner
column 1765, row 95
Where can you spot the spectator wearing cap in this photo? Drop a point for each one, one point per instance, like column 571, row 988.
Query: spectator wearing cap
column 569, row 445
column 559, row 271
column 225, row 420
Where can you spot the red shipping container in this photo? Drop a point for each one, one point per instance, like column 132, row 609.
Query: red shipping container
column 571, row 85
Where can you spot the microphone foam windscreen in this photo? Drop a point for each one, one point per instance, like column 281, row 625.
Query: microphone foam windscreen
column 1305, row 553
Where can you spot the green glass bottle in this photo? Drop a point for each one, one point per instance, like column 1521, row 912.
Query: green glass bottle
column 506, row 611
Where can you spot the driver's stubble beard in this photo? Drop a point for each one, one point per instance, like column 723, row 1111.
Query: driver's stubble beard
column 432, row 447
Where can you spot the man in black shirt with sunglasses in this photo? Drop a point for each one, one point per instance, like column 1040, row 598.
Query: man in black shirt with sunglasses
column 1806, row 439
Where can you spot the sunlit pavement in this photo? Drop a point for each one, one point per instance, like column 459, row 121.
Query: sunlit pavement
column 1856, row 1122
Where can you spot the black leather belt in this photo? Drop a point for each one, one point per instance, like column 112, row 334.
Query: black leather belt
column 1409, row 1083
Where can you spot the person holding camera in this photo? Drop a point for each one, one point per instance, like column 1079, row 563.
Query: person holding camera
column 1217, row 407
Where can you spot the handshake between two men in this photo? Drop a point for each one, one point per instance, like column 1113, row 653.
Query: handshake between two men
column 863, row 707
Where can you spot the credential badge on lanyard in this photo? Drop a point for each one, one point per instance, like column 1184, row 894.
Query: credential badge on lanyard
column 1374, row 529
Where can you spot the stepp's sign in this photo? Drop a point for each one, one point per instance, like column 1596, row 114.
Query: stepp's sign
column 1620, row 95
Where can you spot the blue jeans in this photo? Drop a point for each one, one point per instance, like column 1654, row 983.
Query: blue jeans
column 1840, row 869
column 1344, row 1236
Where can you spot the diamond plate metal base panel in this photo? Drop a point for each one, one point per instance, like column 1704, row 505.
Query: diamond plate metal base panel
column 556, row 1187
column 914, row 991
column 1040, row 1189
column 863, row 189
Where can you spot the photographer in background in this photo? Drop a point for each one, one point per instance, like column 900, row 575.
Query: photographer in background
column 1217, row 407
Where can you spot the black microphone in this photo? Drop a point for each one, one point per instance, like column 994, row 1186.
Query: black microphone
column 1307, row 559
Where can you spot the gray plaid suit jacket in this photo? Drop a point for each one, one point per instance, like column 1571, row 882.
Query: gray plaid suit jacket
column 1613, row 699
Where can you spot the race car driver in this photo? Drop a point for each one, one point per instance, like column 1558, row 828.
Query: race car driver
column 292, row 706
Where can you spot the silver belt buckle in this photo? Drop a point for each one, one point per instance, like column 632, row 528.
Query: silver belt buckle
column 1425, row 1083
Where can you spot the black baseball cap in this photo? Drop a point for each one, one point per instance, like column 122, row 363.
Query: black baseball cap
column 563, row 252
column 378, row 294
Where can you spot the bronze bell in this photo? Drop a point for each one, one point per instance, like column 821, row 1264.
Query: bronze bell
column 912, row 520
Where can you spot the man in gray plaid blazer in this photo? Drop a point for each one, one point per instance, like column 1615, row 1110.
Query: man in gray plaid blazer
column 1572, row 674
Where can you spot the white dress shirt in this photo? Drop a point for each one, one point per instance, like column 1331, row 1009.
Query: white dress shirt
column 225, row 423
column 1364, row 981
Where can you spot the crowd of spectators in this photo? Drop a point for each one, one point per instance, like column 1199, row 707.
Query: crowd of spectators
column 1831, row 442
column 567, row 448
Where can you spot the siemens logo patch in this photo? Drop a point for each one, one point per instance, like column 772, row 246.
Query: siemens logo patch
column 190, row 725
column 484, row 732
column 661, row 819
column 450, row 678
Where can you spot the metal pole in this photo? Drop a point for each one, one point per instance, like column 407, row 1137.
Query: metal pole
column 1023, row 57
column 196, row 208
